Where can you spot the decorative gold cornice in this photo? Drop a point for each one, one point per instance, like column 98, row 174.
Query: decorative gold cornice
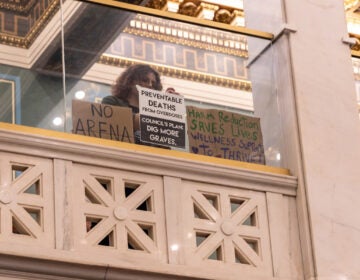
column 18, row 6
column 158, row 4
column 25, row 42
column 189, row 8
column 348, row 4
column 179, row 17
column 200, row 9
column 181, row 73
column 178, row 33
column 190, row 43
column 355, row 49
column 356, row 68
column 224, row 16
column 355, row 54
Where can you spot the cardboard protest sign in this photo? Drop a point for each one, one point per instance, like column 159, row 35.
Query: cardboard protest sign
column 102, row 121
column 224, row 134
column 162, row 118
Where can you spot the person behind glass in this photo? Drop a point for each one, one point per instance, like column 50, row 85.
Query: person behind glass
column 125, row 93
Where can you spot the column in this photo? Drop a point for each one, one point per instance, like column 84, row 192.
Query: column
column 314, row 91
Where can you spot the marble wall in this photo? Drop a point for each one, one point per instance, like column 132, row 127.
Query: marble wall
column 320, row 123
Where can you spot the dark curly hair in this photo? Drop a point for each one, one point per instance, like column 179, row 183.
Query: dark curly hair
column 132, row 76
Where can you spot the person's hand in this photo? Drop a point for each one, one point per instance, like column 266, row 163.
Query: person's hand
column 171, row 91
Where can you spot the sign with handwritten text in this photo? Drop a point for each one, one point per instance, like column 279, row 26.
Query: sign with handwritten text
column 225, row 134
column 162, row 118
column 102, row 121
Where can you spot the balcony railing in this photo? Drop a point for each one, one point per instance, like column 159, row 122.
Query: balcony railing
column 88, row 201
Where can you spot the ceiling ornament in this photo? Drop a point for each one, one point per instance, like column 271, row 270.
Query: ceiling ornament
column 27, row 9
column 201, row 9
column 18, row 6
column 350, row 4
column 355, row 48
column 190, row 8
column 184, row 34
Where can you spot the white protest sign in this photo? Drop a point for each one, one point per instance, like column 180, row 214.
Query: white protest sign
column 162, row 118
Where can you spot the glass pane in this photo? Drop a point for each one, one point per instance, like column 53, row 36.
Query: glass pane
column 206, row 66
column 28, row 92
column 212, row 69
column 7, row 99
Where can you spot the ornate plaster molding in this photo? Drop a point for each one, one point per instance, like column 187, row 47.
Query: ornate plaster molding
column 182, row 74
column 34, row 31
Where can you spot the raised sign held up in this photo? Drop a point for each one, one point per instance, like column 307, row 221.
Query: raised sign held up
column 162, row 118
column 102, row 121
column 225, row 135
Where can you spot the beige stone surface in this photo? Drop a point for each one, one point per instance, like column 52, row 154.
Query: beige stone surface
column 171, row 218
column 319, row 118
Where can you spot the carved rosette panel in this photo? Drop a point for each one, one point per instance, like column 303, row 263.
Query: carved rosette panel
column 26, row 201
column 121, row 212
column 227, row 227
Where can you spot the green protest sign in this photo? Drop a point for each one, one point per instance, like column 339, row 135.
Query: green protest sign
column 225, row 134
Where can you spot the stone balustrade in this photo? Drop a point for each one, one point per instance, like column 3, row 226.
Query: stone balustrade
column 68, row 199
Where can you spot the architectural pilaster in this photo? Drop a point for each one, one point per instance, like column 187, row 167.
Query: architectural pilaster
column 314, row 93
